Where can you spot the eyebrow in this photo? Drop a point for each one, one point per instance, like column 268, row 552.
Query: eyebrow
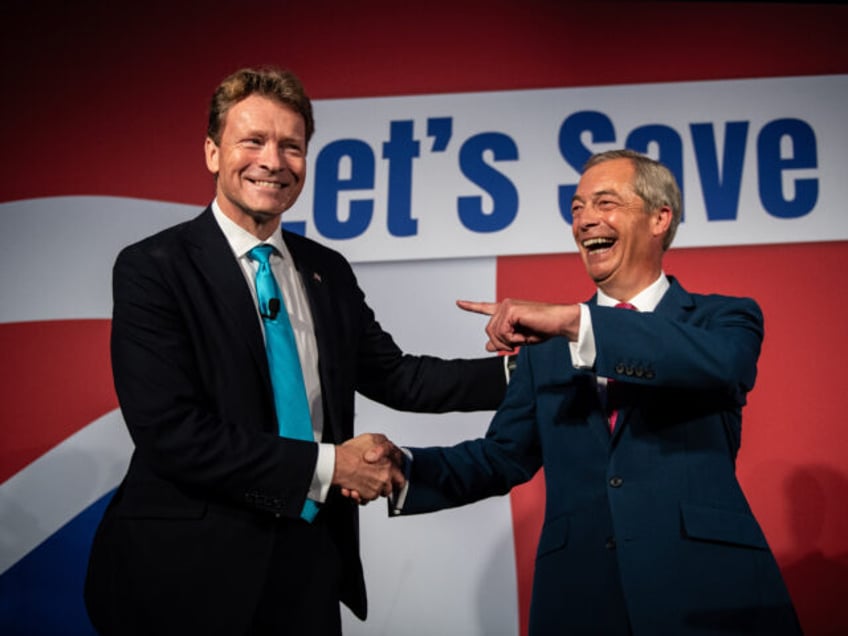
column 595, row 195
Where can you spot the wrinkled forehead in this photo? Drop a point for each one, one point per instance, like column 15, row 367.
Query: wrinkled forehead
column 613, row 176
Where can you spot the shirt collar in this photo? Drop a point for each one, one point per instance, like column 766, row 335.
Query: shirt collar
column 645, row 300
column 240, row 240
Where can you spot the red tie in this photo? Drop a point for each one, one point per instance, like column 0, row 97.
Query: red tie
column 613, row 391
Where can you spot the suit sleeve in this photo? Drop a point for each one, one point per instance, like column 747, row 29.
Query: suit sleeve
column 715, row 353
column 197, row 413
column 426, row 383
column 421, row 383
column 508, row 455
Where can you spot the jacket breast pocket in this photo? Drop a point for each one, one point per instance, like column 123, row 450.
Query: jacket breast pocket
column 721, row 525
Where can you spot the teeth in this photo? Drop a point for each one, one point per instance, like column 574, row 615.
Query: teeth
column 268, row 184
column 598, row 243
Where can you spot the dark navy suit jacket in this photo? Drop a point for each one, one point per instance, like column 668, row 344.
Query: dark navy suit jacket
column 189, row 533
column 645, row 529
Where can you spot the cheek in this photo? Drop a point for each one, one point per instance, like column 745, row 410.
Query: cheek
column 298, row 169
column 233, row 161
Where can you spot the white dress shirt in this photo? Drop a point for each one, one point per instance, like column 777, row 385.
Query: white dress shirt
column 241, row 242
column 583, row 351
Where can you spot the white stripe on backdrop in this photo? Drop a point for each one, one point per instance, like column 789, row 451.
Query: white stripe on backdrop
column 451, row 572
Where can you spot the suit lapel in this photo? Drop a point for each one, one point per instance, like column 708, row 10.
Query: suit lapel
column 677, row 303
column 317, row 288
column 208, row 249
column 598, row 420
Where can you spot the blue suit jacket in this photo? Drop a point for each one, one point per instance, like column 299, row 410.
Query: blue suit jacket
column 648, row 525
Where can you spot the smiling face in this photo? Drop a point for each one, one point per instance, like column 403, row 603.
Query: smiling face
column 619, row 241
column 260, row 163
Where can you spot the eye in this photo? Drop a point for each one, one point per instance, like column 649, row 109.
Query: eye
column 294, row 149
column 576, row 208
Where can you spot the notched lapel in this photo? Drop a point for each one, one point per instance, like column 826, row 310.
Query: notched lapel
column 317, row 292
column 213, row 257
column 316, row 283
column 677, row 303
column 321, row 306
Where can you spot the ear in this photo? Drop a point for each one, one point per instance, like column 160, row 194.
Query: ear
column 211, row 150
column 661, row 221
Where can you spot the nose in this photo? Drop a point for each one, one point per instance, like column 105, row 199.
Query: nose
column 589, row 216
column 272, row 158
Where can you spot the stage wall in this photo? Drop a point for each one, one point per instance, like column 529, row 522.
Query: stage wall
column 447, row 136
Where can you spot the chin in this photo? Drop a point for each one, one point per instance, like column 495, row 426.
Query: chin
column 261, row 215
column 598, row 276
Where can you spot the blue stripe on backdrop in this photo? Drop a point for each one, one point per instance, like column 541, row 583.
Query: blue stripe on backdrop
column 56, row 568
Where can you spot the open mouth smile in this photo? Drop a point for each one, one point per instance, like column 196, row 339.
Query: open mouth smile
column 597, row 244
column 267, row 184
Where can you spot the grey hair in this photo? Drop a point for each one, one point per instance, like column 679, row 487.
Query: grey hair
column 653, row 182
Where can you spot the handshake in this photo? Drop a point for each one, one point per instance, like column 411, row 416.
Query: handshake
column 368, row 466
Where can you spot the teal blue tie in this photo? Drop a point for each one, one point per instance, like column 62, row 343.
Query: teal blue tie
column 290, row 399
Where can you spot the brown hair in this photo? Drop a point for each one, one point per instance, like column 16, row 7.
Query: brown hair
column 279, row 85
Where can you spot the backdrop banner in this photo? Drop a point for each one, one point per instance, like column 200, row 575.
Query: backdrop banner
column 434, row 198
column 484, row 174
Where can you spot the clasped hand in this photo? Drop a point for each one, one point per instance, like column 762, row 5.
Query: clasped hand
column 368, row 466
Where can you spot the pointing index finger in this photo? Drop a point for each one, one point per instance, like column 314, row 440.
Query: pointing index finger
column 477, row 307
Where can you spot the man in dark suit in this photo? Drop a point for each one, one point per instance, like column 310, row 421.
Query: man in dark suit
column 636, row 417
column 204, row 534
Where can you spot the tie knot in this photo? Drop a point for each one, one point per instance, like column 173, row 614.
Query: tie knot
column 626, row 306
column 261, row 253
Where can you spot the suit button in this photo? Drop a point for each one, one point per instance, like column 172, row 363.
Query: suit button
column 616, row 481
column 640, row 372
column 649, row 374
column 610, row 544
column 628, row 371
column 619, row 368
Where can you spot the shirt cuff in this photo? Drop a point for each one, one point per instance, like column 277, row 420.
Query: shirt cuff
column 583, row 351
column 509, row 362
column 322, row 479
column 398, row 499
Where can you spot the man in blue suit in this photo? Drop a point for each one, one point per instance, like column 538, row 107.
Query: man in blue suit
column 637, row 419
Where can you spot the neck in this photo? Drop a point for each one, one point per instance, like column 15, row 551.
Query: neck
column 262, row 228
column 261, row 225
column 625, row 290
